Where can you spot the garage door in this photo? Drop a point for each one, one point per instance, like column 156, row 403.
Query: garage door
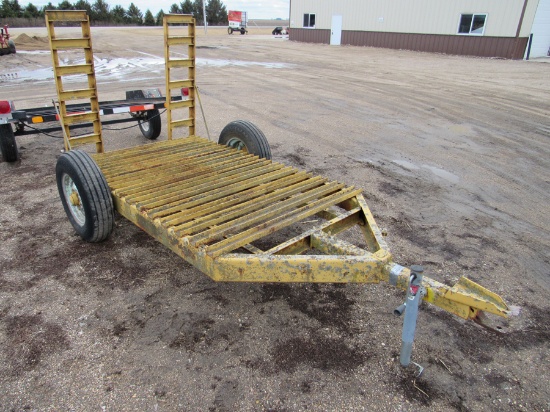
column 541, row 30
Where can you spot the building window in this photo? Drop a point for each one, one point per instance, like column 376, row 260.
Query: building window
column 472, row 24
column 309, row 20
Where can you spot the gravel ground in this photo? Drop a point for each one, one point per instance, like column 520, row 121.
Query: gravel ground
column 452, row 154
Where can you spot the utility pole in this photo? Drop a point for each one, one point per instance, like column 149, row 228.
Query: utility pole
column 204, row 15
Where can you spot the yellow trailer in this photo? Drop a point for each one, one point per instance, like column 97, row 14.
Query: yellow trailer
column 217, row 205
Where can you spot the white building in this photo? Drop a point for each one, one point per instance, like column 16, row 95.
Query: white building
column 488, row 28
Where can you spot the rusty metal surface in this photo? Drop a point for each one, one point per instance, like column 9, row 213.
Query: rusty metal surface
column 218, row 207
column 215, row 199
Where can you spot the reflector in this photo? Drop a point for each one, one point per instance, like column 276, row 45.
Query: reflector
column 5, row 107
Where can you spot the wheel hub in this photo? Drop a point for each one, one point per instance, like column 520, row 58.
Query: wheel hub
column 74, row 202
column 238, row 144
column 75, row 199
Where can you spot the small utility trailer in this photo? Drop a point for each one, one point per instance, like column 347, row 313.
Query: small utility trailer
column 238, row 21
column 223, row 206
column 143, row 106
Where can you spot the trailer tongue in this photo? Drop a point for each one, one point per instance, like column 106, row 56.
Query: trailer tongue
column 219, row 206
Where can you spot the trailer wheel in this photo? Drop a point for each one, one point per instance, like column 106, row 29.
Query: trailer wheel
column 8, row 145
column 243, row 31
column 11, row 46
column 229, row 30
column 243, row 135
column 151, row 125
column 85, row 196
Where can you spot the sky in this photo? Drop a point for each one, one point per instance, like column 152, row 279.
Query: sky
column 267, row 9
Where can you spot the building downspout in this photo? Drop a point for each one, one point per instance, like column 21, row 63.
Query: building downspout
column 520, row 23
column 289, row 22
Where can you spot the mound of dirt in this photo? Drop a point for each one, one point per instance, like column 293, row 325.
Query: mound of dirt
column 26, row 42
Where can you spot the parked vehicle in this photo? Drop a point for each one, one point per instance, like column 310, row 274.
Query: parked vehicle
column 238, row 21
column 7, row 45
column 142, row 106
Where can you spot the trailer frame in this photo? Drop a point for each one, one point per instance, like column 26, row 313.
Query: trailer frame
column 219, row 207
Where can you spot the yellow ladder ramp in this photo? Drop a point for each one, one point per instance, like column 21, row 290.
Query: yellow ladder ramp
column 173, row 22
column 87, row 92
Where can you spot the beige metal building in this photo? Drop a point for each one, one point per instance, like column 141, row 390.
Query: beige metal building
column 488, row 28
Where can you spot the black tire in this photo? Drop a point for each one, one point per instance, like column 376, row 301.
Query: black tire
column 243, row 135
column 85, row 196
column 11, row 46
column 229, row 30
column 152, row 125
column 8, row 145
column 243, row 31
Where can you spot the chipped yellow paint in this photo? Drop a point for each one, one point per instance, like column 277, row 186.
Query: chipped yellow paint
column 220, row 209
column 210, row 204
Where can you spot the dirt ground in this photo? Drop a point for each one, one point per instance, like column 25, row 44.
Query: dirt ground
column 453, row 155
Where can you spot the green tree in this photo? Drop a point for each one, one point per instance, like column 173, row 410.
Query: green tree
column 48, row 6
column 11, row 9
column 100, row 11
column 159, row 18
column 197, row 11
column 174, row 9
column 118, row 14
column 216, row 14
column 31, row 11
column 83, row 5
column 65, row 5
column 135, row 16
column 148, row 19
column 187, row 7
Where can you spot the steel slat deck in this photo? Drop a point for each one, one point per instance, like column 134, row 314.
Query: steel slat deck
column 214, row 197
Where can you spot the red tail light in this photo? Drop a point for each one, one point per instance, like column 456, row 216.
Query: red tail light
column 185, row 91
column 5, row 107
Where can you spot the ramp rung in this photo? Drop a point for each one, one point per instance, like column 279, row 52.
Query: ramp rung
column 182, row 123
column 85, row 139
column 77, row 94
column 76, row 69
column 73, row 15
column 81, row 118
column 179, row 18
column 182, row 104
column 179, row 84
column 62, row 44
column 175, row 63
column 179, row 40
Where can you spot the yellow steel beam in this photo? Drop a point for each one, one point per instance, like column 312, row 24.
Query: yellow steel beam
column 465, row 299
